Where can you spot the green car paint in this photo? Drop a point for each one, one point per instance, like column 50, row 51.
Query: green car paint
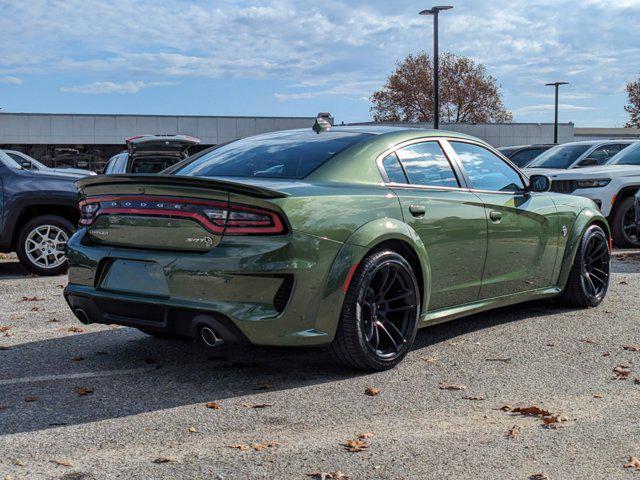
column 176, row 268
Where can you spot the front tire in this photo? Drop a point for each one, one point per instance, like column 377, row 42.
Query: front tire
column 42, row 244
column 589, row 278
column 379, row 317
column 623, row 224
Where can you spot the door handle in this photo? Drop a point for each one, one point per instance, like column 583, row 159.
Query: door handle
column 495, row 216
column 417, row 210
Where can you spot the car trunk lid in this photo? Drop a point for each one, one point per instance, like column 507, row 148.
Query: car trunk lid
column 165, row 212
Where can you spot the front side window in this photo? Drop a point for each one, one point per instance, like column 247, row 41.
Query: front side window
column 523, row 157
column 628, row 156
column 293, row 154
column 604, row 153
column 487, row 171
column 426, row 164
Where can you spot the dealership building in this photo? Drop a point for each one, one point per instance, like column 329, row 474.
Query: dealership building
column 90, row 140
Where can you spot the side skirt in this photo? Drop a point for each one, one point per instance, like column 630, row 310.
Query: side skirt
column 451, row 313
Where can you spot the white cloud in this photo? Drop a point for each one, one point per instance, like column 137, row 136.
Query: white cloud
column 565, row 107
column 113, row 87
column 11, row 80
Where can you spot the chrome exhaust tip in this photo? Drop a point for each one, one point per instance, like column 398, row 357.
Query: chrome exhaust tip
column 210, row 338
column 82, row 316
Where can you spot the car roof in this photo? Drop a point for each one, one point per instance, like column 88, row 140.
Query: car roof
column 593, row 143
column 522, row 147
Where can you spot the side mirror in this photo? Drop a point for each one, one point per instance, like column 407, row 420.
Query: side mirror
column 539, row 183
column 26, row 164
column 588, row 162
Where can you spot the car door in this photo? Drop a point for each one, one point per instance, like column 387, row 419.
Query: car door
column 449, row 219
column 522, row 226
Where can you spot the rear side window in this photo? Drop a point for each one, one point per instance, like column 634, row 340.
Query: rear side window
column 485, row 170
column 426, row 164
column 292, row 154
column 394, row 170
column 604, row 153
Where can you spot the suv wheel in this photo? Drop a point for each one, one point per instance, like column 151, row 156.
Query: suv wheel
column 42, row 244
column 380, row 314
column 589, row 278
column 624, row 229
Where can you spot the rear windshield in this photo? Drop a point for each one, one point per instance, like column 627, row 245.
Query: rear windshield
column 275, row 155
column 561, row 156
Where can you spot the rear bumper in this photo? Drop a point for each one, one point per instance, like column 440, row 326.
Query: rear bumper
column 261, row 290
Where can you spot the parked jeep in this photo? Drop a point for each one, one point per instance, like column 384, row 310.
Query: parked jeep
column 38, row 214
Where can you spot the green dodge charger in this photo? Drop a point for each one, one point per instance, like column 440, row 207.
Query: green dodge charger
column 349, row 237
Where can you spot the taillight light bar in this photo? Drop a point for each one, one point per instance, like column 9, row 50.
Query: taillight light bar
column 217, row 217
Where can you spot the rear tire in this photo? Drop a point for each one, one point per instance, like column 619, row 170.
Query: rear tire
column 589, row 278
column 379, row 317
column 623, row 227
column 42, row 242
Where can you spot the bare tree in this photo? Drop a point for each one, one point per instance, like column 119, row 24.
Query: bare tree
column 467, row 93
column 633, row 107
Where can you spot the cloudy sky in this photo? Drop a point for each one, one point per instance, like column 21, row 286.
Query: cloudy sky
column 298, row 57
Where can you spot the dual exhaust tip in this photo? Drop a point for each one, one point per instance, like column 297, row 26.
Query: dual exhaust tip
column 207, row 335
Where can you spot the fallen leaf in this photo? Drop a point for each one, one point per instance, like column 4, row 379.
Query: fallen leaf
column 5, row 328
column 5, row 347
column 19, row 462
column 506, row 359
column 240, row 446
column 75, row 329
column 539, row 476
column 621, row 372
column 553, row 420
column 163, row 460
column 356, row 445
column 31, row 299
column 53, row 320
column 588, row 340
column 451, row 386
column 63, row 462
column 337, row 475
column 514, row 431
column 37, row 309
column 633, row 462
column 214, row 405
column 632, row 348
column 30, row 398
column 82, row 391
column 430, row 359
column 533, row 411
column 479, row 398
column 551, row 344
column 261, row 446
column 366, row 435
column 637, row 381
column 193, row 430
column 598, row 395
column 606, row 354
column 257, row 405
column 623, row 282
column 372, row 391
column 506, row 408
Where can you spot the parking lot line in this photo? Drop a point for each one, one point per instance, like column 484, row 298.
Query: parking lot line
column 67, row 376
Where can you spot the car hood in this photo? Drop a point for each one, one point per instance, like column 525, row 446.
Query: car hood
column 587, row 172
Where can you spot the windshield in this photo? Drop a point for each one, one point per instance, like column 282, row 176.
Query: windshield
column 628, row 156
column 8, row 161
column 560, row 156
column 292, row 154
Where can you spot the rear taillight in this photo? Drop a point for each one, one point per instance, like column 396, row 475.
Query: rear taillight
column 217, row 217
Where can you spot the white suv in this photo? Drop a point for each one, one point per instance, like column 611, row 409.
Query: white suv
column 612, row 187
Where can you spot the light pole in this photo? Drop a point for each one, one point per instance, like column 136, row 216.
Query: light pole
column 436, row 64
column 556, row 85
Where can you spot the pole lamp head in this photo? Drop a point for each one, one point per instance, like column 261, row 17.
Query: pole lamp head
column 556, row 84
column 435, row 10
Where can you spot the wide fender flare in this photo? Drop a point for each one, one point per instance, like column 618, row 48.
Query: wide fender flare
column 357, row 246
column 586, row 218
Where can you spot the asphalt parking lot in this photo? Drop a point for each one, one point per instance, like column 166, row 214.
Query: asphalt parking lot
column 99, row 402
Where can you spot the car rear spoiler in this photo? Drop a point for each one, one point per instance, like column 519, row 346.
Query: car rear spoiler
column 235, row 187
